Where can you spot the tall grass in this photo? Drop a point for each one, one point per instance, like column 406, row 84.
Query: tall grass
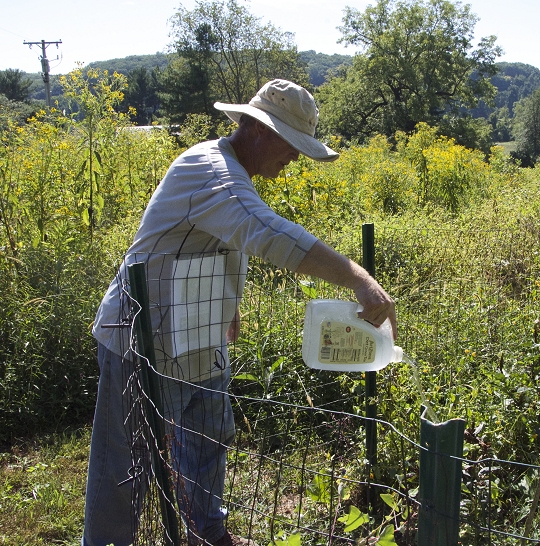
column 42, row 488
column 456, row 245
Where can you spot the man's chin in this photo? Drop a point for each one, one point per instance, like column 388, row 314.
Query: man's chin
column 272, row 174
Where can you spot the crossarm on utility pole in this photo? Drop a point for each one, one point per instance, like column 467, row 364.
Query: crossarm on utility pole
column 45, row 69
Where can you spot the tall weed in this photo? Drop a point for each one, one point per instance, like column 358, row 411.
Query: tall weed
column 54, row 270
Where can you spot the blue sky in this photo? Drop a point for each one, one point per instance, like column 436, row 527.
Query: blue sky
column 105, row 29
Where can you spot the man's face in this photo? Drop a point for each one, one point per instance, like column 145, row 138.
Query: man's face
column 274, row 153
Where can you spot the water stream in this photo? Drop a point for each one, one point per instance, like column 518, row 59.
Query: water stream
column 416, row 378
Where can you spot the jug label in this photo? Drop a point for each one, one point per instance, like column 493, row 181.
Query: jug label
column 343, row 343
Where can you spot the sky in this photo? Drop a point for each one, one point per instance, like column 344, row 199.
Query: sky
column 106, row 29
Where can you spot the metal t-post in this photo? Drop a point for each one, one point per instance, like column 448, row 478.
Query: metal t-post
column 368, row 262
column 152, row 400
column 440, row 482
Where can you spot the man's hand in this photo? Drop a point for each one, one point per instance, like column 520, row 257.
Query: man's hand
column 377, row 304
column 326, row 263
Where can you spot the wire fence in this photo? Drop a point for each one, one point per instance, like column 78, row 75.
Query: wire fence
column 298, row 471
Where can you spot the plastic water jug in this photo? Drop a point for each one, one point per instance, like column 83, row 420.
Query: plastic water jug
column 336, row 339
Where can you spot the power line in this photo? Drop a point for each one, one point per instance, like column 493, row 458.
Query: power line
column 45, row 65
column 10, row 32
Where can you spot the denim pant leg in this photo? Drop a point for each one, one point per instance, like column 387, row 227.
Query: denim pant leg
column 204, row 429
column 109, row 515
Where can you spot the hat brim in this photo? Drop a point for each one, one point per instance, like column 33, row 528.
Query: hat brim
column 304, row 143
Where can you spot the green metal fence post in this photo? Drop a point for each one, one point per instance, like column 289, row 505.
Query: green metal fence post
column 368, row 262
column 152, row 400
column 440, row 482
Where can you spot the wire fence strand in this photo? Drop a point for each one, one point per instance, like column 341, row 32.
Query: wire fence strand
column 298, row 472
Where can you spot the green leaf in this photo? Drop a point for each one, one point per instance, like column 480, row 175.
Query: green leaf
column 81, row 172
column 405, row 514
column 389, row 499
column 248, row 376
column 319, row 489
column 291, row 540
column 353, row 519
column 387, row 536
column 308, row 290
column 277, row 363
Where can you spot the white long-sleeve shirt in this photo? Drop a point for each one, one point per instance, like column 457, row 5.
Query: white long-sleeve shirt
column 202, row 221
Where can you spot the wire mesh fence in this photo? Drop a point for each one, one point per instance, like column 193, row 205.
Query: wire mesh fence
column 297, row 470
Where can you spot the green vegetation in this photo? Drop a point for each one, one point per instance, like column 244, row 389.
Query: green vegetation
column 416, row 66
column 514, row 81
column 42, row 491
column 72, row 193
column 322, row 67
column 14, row 85
column 224, row 53
column 527, row 128
column 125, row 65
column 457, row 232
column 74, row 187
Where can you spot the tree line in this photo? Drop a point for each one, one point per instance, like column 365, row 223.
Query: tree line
column 416, row 63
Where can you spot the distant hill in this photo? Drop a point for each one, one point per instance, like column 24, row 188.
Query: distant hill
column 127, row 64
column 37, row 91
column 513, row 82
column 320, row 65
column 121, row 65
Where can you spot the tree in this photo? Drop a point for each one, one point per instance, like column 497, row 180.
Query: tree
column 142, row 94
column 176, row 94
column 14, row 112
column 187, row 80
column 417, row 64
column 501, row 124
column 228, row 55
column 321, row 66
column 526, row 128
column 14, row 85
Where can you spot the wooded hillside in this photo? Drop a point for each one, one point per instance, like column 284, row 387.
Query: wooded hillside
column 415, row 63
column 514, row 81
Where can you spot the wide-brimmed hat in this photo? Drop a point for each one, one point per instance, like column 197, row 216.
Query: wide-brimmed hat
column 290, row 111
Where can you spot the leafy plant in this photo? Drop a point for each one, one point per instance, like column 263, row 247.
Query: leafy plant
column 92, row 97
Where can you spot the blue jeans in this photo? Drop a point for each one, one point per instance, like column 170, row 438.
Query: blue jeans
column 200, row 425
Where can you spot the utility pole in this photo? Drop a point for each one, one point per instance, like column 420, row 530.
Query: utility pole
column 44, row 65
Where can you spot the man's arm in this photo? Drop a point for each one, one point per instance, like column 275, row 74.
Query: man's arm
column 324, row 262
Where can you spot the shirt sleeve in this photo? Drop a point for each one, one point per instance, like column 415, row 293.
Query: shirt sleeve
column 228, row 207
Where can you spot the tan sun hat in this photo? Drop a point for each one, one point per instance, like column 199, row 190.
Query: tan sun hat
column 290, row 111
